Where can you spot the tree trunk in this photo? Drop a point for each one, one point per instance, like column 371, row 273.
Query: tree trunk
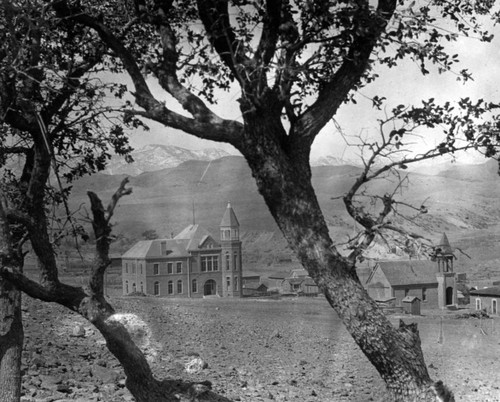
column 11, row 342
column 284, row 180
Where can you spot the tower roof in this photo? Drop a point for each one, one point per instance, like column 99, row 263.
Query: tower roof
column 444, row 246
column 229, row 218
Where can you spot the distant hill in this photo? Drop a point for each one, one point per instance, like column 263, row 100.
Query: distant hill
column 157, row 157
column 480, row 172
column 169, row 199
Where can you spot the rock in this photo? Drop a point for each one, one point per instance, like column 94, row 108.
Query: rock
column 78, row 331
column 196, row 365
column 105, row 375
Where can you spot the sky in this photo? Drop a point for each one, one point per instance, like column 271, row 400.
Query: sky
column 401, row 85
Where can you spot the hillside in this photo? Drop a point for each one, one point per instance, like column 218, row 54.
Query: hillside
column 164, row 201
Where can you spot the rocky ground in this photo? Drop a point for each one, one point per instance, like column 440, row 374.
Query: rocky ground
column 288, row 350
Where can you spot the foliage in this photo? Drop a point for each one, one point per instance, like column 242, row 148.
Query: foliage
column 150, row 234
column 295, row 64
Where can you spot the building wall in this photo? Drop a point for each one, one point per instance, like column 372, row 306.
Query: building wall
column 231, row 274
column 378, row 286
column 486, row 303
column 431, row 294
column 133, row 276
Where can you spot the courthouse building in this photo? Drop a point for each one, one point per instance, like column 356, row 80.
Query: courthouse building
column 192, row 264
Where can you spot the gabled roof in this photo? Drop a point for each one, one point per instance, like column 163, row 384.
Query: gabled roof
column 196, row 236
column 191, row 238
column 229, row 219
column 299, row 273
column 407, row 272
column 491, row 291
column 153, row 248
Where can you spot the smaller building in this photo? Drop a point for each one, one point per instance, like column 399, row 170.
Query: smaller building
column 253, row 286
column 411, row 305
column 486, row 299
column 297, row 281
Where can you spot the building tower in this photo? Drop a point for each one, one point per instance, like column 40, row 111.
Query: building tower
column 444, row 255
column 447, row 289
column 230, row 254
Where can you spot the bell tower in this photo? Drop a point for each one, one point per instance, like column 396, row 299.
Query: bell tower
column 447, row 289
column 230, row 254
column 444, row 255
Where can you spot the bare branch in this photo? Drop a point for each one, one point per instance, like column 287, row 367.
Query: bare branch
column 102, row 229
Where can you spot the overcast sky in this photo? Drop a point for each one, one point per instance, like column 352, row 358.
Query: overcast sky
column 401, row 85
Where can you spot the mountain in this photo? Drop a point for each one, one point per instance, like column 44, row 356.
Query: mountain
column 329, row 160
column 167, row 200
column 477, row 172
column 157, row 157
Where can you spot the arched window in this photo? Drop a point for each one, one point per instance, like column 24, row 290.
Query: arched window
column 194, row 286
column 235, row 261
column 142, row 287
column 134, row 288
column 478, row 304
column 170, row 288
column 235, row 283
column 156, row 288
column 494, row 309
column 228, row 267
column 179, row 286
column 126, row 287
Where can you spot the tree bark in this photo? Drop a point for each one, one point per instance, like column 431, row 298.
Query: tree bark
column 11, row 342
column 11, row 326
column 284, row 180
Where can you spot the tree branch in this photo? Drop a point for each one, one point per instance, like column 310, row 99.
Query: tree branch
column 215, row 18
column 209, row 127
column 102, row 229
column 334, row 92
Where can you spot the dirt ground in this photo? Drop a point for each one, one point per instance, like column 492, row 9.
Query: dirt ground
column 256, row 350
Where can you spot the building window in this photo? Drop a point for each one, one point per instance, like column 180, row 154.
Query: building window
column 133, row 267
column 179, row 286
column 140, row 269
column 170, row 267
column 194, row 286
column 179, row 267
column 236, row 283
column 478, row 304
column 170, row 288
column 156, row 288
column 228, row 265
column 228, row 283
column 424, row 294
column 126, row 287
column 142, row 287
column 209, row 263
column 163, row 248
column 235, row 261
column 134, row 288
column 126, row 267
column 494, row 309
column 156, row 269
column 407, row 291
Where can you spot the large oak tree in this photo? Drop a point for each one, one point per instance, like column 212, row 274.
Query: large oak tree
column 295, row 64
